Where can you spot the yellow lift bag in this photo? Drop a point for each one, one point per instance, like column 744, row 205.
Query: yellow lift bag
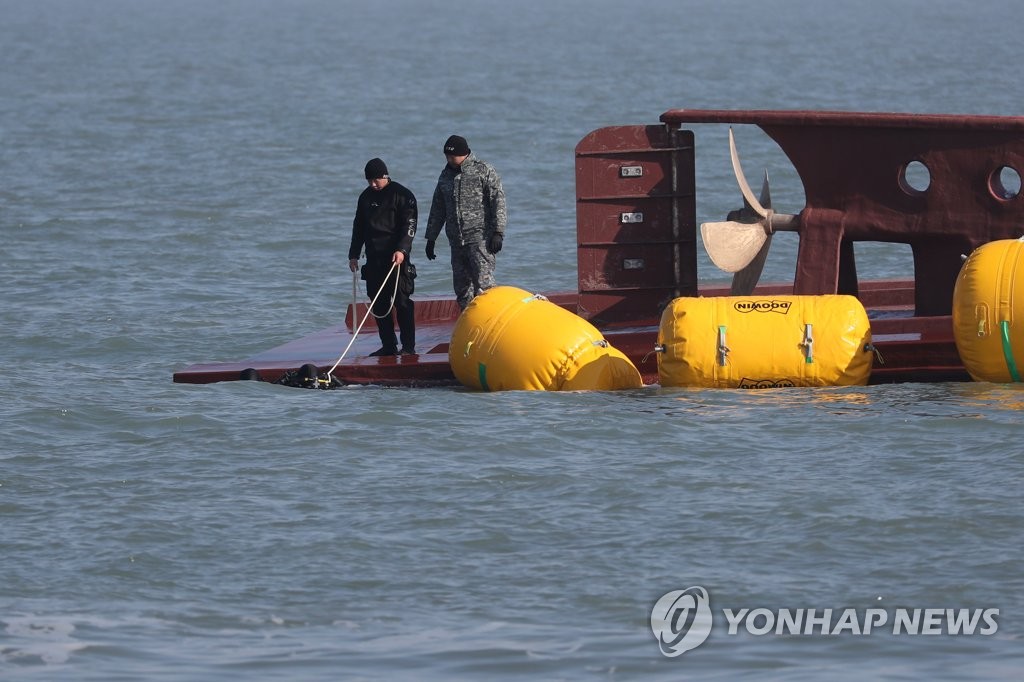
column 764, row 342
column 510, row 339
column 988, row 296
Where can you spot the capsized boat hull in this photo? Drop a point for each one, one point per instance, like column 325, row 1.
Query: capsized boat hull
column 637, row 237
column 911, row 348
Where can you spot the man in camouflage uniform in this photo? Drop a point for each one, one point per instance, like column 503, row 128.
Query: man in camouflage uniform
column 469, row 203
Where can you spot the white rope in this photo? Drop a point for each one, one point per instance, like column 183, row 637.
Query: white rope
column 365, row 317
column 394, row 294
column 355, row 296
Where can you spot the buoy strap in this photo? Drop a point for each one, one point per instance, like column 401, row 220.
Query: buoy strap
column 1011, row 363
column 723, row 350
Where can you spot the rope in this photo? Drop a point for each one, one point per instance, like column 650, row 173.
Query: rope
column 365, row 317
column 394, row 294
column 355, row 296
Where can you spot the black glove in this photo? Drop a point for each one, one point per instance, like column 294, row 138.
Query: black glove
column 494, row 243
column 430, row 250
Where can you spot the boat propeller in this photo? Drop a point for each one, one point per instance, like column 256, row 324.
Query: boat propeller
column 740, row 243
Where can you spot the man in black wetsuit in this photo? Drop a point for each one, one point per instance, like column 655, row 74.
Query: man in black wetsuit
column 385, row 225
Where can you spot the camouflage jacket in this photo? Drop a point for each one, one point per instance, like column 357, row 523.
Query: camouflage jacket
column 469, row 204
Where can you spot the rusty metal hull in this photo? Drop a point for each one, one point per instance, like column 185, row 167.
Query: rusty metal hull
column 637, row 239
column 912, row 348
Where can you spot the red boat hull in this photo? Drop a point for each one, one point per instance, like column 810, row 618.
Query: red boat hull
column 637, row 245
column 911, row 348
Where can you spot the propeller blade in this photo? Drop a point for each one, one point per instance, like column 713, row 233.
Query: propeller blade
column 732, row 245
column 741, row 180
column 740, row 244
column 766, row 192
column 744, row 281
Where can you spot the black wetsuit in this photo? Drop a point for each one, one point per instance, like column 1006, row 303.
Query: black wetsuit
column 385, row 222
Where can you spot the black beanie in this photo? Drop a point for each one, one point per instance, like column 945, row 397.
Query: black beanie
column 456, row 146
column 376, row 168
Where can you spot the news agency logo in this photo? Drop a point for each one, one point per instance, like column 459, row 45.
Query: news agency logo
column 681, row 621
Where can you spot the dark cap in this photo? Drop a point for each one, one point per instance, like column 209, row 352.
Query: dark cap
column 376, row 168
column 456, row 146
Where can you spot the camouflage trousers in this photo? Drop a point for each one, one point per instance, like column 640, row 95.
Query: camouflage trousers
column 472, row 271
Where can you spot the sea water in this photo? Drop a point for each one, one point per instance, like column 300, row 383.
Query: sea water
column 177, row 183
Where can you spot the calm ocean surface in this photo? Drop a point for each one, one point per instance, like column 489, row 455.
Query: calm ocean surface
column 177, row 181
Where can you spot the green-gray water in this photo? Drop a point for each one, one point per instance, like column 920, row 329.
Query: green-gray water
column 177, row 182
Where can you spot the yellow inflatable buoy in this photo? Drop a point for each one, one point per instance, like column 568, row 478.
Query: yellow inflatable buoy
column 510, row 339
column 987, row 300
column 764, row 342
